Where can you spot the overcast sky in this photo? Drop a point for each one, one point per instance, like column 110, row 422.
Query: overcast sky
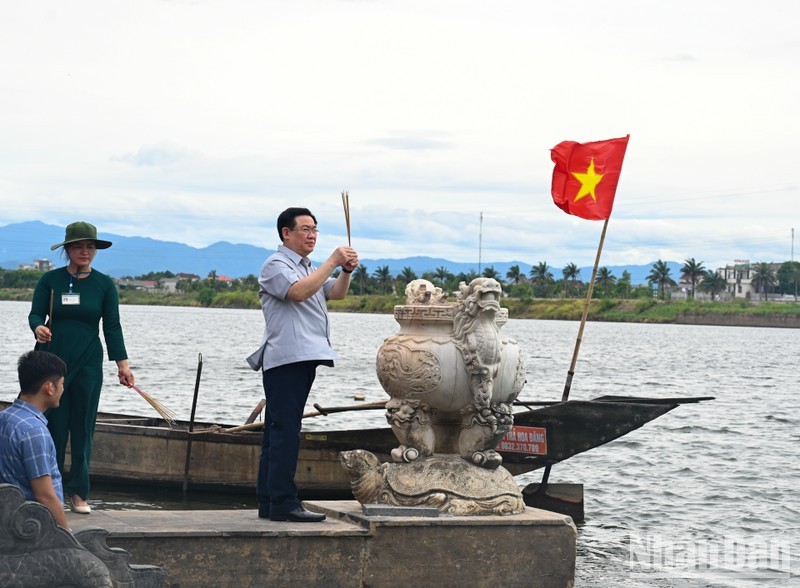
column 199, row 121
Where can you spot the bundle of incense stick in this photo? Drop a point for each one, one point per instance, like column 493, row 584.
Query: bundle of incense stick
column 165, row 413
column 346, row 205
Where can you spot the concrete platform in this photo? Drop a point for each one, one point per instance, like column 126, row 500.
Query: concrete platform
column 235, row 548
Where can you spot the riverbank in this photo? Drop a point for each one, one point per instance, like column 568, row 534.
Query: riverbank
column 739, row 313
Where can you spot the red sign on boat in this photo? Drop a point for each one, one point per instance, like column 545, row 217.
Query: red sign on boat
column 530, row 440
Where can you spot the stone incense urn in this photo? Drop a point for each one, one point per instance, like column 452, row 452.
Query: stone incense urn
column 451, row 374
column 452, row 377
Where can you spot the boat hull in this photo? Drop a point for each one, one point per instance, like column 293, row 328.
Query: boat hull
column 146, row 452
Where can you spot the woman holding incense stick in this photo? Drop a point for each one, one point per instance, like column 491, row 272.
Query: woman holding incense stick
column 68, row 305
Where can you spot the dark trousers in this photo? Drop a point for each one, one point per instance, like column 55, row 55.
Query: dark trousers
column 286, row 388
column 74, row 419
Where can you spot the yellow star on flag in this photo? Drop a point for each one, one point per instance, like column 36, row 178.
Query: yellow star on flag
column 588, row 181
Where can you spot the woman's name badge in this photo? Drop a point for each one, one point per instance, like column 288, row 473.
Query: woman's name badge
column 70, row 298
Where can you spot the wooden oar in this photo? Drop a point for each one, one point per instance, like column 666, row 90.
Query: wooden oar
column 247, row 427
column 256, row 411
column 378, row 404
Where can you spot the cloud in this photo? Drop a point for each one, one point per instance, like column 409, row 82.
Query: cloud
column 160, row 154
column 429, row 113
column 409, row 140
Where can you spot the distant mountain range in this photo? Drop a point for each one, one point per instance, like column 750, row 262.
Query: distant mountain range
column 22, row 243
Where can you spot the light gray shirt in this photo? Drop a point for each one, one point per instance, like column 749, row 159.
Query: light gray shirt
column 293, row 331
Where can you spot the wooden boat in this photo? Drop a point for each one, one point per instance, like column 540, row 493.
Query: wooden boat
column 145, row 451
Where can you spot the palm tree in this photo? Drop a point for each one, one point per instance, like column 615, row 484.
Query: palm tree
column 514, row 274
column 660, row 275
column 570, row 272
column 212, row 275
column 540, row 274
column 384, row 278
column 713, row 283
column 624, row 284
column 442, row 274
column 361, row 274
column 407, row 276
column 691, row 271
column 490, row 272
column 763, row 277
column 466, row 277
column 605, row 279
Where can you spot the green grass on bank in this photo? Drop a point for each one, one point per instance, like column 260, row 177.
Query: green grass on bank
column 570, row 309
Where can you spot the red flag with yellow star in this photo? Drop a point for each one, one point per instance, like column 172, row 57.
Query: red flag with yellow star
column 586, row 175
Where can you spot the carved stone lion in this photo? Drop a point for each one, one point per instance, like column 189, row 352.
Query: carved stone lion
column 477, row 335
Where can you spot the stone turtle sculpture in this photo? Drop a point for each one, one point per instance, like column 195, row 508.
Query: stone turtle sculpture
column 446, row 482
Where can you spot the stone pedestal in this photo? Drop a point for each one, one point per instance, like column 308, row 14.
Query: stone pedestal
column 351, row 549
column 534, row 549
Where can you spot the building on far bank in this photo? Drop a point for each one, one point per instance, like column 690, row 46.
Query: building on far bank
column 169, row 284
column 143, row 285
column 41, row 265
column 162, row 285
column 739, row 278
column 222, row 279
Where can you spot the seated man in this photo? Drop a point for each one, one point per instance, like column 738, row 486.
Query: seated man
column 27, row 452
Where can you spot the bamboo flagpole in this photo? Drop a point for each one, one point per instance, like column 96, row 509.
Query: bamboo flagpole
column 587, row 302
column 585, row 179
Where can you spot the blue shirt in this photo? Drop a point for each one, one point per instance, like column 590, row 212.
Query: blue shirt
column 27, row 450
column 293, row 331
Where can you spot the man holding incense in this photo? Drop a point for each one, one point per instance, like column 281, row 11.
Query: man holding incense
column 27, row 451
column 296, row 340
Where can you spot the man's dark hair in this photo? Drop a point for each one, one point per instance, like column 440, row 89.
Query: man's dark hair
column 288, row 216
column 37, row 367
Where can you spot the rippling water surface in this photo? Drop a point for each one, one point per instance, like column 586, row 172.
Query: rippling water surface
column 706, row 495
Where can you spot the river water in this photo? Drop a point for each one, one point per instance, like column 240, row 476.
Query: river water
column 706, row 495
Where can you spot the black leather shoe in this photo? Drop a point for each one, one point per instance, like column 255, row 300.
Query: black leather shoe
column 263, row 513
column 299, row 515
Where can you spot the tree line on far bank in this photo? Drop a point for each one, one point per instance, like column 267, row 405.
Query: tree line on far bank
column 541, row 282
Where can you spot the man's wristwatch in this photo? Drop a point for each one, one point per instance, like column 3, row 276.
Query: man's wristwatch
column 347, row 271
